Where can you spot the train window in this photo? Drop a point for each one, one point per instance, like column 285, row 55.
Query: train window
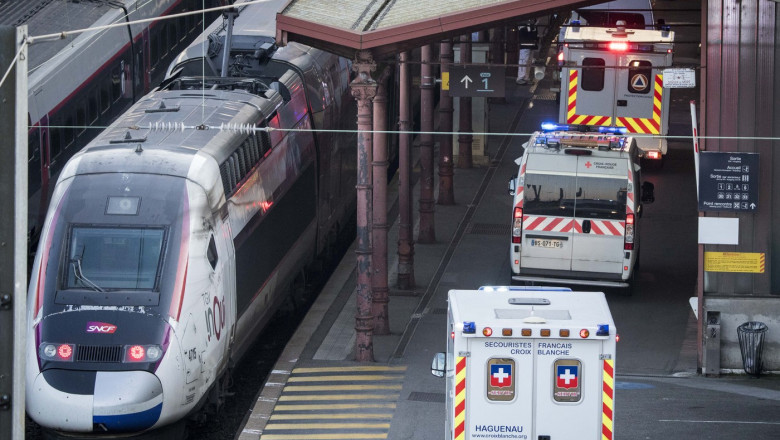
column 81, row 118
column 639, row 77
column 162, row 40
column 111, row 258
column 593, row 74
column 183, row 28
column 34, row 162
column 173, row 34
column 116, row 84
column 105, row 101
column 92, row 108
column 153, row 52
column 211, row 253
column 56, row 144
column 67, row 131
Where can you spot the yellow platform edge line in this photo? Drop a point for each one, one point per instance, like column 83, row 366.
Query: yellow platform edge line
column 334, row 406
column 312, row 426
column 338, row 416
column 320, row 397
column 334, row 436
column 356, row 387
column 401, row 368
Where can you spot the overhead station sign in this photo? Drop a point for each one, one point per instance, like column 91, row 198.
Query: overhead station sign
column 476, row 81
column 728, row 181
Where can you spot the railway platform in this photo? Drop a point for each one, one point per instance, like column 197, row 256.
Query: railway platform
column 316, row 390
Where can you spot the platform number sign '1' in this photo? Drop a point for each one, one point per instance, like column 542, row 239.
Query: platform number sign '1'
column 477, row 81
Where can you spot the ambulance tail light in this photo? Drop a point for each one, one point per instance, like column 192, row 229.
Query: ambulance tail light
column 655, row 155
column 628, row 244
column 618, row 46
column 517, row 225
column 561, row 59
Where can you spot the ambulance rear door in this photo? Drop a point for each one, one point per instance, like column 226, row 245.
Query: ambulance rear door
column 548, row 211
column 616, row 88
column 568, row 382
column 591, row 88
column 597, row 239
column 499, row 388
column 639, row 94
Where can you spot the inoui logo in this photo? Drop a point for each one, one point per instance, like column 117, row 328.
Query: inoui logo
column 100, row 327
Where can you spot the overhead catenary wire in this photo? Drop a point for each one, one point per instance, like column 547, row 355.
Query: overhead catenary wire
column 248, row 128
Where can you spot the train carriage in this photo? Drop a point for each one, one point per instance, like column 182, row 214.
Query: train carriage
column 171, row 237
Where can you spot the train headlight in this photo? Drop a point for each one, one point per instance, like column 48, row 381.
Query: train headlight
column 142, row 353
column 57, row 352
column 153, row 353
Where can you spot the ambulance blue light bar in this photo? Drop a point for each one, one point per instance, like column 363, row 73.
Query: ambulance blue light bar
column 469, row 327
column 603, row 330
column 620, row 130
column 551, row 126
column 524, row 288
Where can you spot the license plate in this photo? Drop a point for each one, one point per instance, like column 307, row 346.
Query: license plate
column 553, row 244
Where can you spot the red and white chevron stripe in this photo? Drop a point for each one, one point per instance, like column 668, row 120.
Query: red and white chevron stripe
column 565, row 224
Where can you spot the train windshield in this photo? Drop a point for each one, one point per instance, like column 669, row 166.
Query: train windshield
column 113, row 258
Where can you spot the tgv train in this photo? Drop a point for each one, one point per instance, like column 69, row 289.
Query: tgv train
column 171, row 237
column 79, row 84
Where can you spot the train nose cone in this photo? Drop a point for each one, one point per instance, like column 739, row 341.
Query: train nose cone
column 84, row 401
column 126, row 400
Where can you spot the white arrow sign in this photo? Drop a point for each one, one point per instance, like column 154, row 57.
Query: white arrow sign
column 466, row 81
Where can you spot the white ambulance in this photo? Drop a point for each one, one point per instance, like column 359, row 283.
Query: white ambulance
column 528, row 364
column 576, row 210
column 613, row 77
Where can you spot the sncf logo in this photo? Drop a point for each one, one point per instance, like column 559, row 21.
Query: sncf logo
column 100, row 327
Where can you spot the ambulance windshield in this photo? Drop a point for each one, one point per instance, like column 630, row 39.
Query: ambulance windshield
column 570, row 196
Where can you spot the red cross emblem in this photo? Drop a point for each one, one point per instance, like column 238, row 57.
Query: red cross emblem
column 588, row 164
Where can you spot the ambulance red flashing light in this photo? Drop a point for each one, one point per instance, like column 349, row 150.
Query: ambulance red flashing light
column 618, row 46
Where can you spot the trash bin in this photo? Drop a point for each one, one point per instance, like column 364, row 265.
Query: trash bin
column 751, row 344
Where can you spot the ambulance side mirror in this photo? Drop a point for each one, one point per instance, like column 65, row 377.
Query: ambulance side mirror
column 512, row 185
column 439, row 365
column 648, row 192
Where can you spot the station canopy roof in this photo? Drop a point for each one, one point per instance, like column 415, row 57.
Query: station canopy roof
column 386, row 27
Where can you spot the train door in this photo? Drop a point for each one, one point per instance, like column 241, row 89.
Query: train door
column 599, row 214
column 142, row 66
column 45, row 163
